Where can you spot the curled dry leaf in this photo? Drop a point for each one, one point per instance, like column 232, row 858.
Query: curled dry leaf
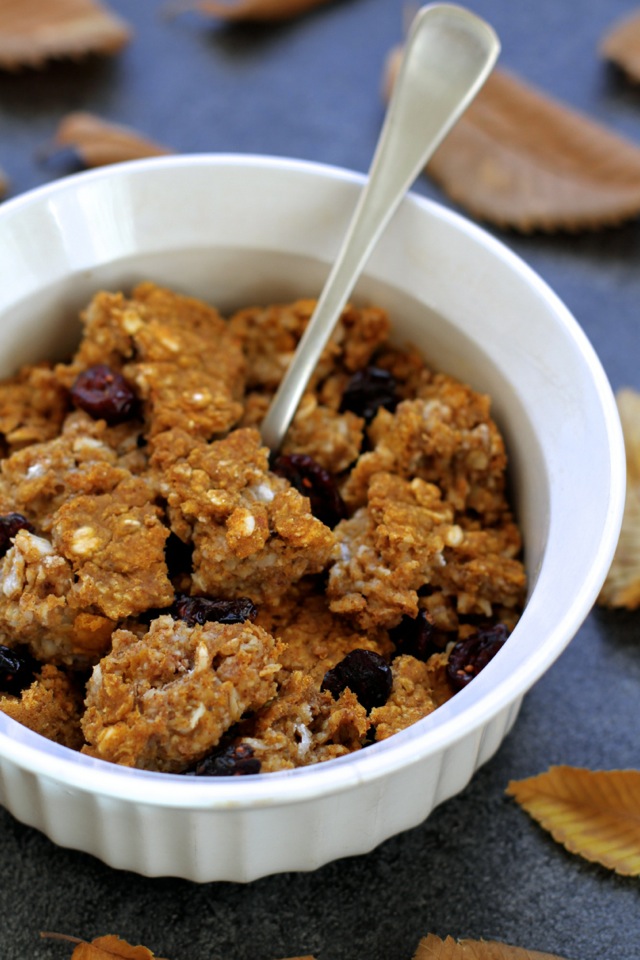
column 520, row 159
column 32, row 32
column 104, row 948
column 595, row 814
column 98, row 142
column 621, row 45
column 433, row 948
column 622, row 584
column 248, row 9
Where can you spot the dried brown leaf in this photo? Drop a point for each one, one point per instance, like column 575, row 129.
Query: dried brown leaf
column 32, row 32
column 99, row 142
column 595, row 814
column 249, row 9
column 621, row 45
column 433, row 948
column 622, row 584
column 104, row 948
column 4, row 184
column 518, row 158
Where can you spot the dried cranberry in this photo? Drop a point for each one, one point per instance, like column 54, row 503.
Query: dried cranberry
column 203, row 609
column 9, row 526
column 366, row 674
column 233, row 761
column 368, row 390
column 104, row 394
column 17, row 670
column 314, row 482
column 468, row 657
column 415, row 636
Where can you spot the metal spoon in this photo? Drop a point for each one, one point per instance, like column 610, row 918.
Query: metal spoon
column 448, row 55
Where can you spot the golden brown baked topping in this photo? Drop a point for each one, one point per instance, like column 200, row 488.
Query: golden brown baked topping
column 242, row 612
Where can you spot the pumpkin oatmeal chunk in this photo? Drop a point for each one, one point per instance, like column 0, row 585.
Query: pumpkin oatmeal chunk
column 114, row 540
column 37, row 609
column 163, row 701
column 253, row 533
column 305, row 726
column 388, row 550
column 32, row 406
column 410, row 700
column 52, row 706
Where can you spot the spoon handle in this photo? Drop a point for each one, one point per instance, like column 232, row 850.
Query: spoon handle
column 448, row 55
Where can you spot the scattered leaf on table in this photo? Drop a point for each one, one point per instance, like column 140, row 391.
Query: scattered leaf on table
column 622, row 584
column 433, row 948
column 104, row 948
column 33, row 31
column 99, row 142
column 248, row 9
column 520, row 159
column 595, row 814
column 621, row 45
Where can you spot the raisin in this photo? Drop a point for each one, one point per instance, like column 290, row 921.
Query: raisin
column 366, row 674
column 367, row 391
column 233, row 761
column 9, row 526
column 17, row 670
column 314, row 482
column 104, row 394
column 468, row 657
column 203, row 609
column 415, row 636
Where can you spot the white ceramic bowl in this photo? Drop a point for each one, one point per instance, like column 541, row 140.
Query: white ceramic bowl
column 237, row 230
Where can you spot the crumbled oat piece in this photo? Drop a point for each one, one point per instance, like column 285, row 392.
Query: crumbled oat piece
column 163, row 702
column 36, row 606
column 315, row 638
column 270, row 335
column 33, row 405
column 253, row 533
column 52, row 706
column 333, row 439
column 411, row 697
column 447, row 437
column 304, row 725
column 114, row 540
column 186, row 365
column 388, row 550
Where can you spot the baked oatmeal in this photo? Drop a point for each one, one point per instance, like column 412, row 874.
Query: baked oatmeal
column 175, row 597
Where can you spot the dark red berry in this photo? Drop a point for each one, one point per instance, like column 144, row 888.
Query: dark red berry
column 314, row 482
column 468, row 657
column 367, row 675
column 415, row 636
column 9, row 526
column 233, row 761
column 368, row 390
column 206, row 609
column 17, row 670
column 104, row 394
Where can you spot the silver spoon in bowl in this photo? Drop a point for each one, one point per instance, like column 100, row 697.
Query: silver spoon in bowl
column 448, row 55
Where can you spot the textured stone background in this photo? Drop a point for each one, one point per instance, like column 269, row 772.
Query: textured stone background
column 479, row 867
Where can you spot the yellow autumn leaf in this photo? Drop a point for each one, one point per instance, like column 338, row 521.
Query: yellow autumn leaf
column 433, row 948
column 248, row 9
column 519, row 158
column 32, row 32
column 621, row 45
column 108, row 947
column 595, row 814
column 99, row 142
column 622, row 583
